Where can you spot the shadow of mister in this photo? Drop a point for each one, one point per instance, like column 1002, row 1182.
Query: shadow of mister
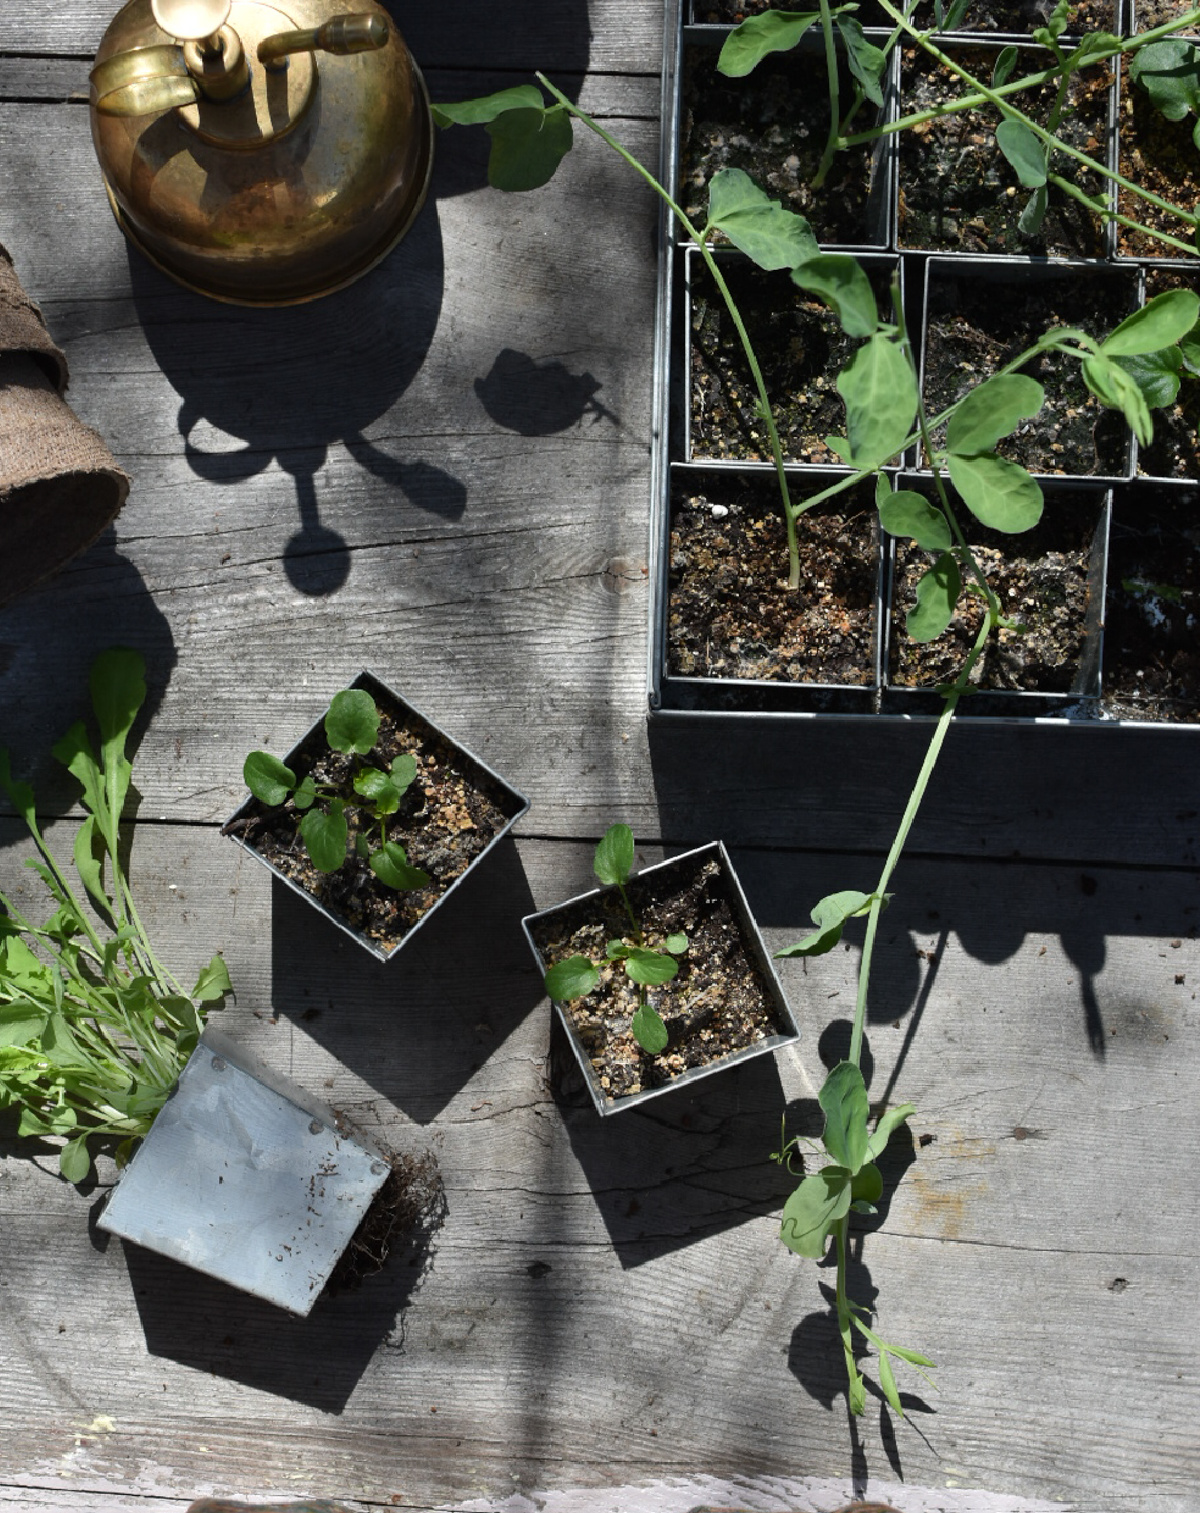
column 539, row 399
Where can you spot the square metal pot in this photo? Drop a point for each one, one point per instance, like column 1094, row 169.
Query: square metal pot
column 756, row 949
column 247, row 1179
column 514, row 802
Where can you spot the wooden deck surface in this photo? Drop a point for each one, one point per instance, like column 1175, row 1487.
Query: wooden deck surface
column 605, row 1319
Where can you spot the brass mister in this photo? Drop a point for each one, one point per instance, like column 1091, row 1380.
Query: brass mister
column 244, row 167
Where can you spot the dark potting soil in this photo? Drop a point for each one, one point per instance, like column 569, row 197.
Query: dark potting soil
column 448, row 816
column 1158, row 155
column 1022, row 17
column 402, row 1217
column 1175, row 449
column 976, row 325
column 1042, row 580
column 717, row 1004
column 731, row 613
column 957, row 190
column 772, row 125
column 734, row 12
column 801, row 349
column 1152, row 619
column 1147, row 14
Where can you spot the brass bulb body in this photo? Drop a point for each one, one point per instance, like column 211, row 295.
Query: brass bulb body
column 293, row 188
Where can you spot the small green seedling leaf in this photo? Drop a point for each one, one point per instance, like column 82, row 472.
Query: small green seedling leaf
column 1029, row 222
column 830, row 916
column 326, row 836
column 1161, row 322
column 1005, row 64
column 676, row 944
column 614, row 856
column 488, row 107
column 1116, row 389
column 867, row 62
column 890, row 1121
column 887, row 1383
column 757, row 225
column 267, row 778
column 377, row 786
column 572, row 978
column 74, row 1161
column 880, row 394
column 649, row 1030
column 990, row 411
column 907, row 513
column 1157, row 375
column 617, row 950
column 955, row 17
column 913, row 1357
column 213, row 982
column 391, row 866
column 842, row 283
column 1000, row 494
column 86, row 864
column 813, row 1209
column 758, row 36
column 118, row 688
column 843, row 1097
column 1189, row 346
column 1169, row 72
column 352, row 722
column 937, row 594
column 650, row 968
column 1059, row 18
column 527, row 147
column 306, row 793
column 1025, row 153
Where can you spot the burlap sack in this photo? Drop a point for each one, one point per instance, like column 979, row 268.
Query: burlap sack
column 59, row 484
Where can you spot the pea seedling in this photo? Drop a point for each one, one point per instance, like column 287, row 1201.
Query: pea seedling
column 578, row 975
column 94, row 1031
column 352, row 728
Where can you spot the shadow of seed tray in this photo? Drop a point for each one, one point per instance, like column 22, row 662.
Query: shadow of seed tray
column 1108, row 585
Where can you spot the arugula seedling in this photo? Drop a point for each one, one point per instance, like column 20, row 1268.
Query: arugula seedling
column 352, row 728
column 578, row 975
column 94, row 1031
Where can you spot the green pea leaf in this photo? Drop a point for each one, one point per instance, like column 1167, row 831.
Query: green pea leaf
column 267, row 778
column 880, row 394
column 650, row 968
column 890, row 1121
column 527, row 147
column 937, row 594
column 1157, row 375
column 1024, row 151
column 1029, row 222
column 867, row 1186
column 213, row 982
column 614, row 855
column 813, row 1209
column 649, row 1030
column 844, row 1100
column 1116, row 389
column 1161, row 322
column 830, row 916
column 842, row 282
column 326, row 837
column 999, row 493
column 676, row 944
column 907, row 513
column 990, row 411
column 572, row 978
column 1169, row 72
column 488, row 107
column 757, row 225
column 391, row 866
column 74, row 1161
column 758, row 36
column 867, row 62
column 352, row 721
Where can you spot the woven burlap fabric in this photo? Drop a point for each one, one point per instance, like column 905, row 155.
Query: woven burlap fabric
column 59, row 484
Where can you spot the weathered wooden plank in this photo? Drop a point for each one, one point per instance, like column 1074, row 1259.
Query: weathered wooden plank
column 581, row 1263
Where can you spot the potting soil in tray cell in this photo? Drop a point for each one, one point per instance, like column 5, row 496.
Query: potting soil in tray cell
column 1152, row 619
column 1020, row 18
column 1044, row 580
column 956, row 190
column 1158, row 155
column 773, row 125
column 1175, row 450
column 1148, row 14
column 734, row 12
column 801, row 349
column 980, row 318
column 731, row 613
column 717, row 1004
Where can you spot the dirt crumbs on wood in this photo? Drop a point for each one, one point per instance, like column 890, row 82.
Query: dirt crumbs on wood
column 978, row 324
column 1152, row 627
column 716, row 1005
column 801, row 349
column 731, row 613
column 450, row 814
column 959, row 193
column 403, row 1216
column 1042, row 581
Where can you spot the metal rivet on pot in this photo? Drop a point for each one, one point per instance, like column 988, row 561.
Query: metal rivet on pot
column 217, row 1064
column 315, row 1127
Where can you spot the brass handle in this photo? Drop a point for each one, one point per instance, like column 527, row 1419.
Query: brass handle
column 143, row 82
column 341, row 35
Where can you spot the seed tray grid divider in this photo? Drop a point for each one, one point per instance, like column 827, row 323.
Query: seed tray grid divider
column 674, row 696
